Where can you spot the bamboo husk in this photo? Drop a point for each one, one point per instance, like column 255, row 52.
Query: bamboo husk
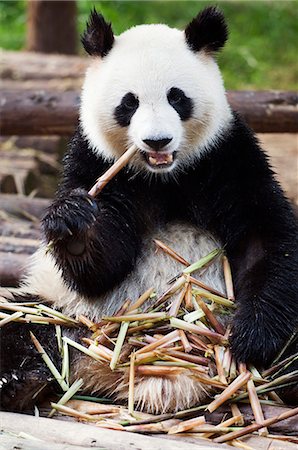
column 210, row 316
column 187, row 425
column 229, row 391
column 220, row 371
column 157, row 371
column 171, row 252
column 92, row 408
column 131, row 384
column 186, row 345
column 256, row 407
column 228, row 278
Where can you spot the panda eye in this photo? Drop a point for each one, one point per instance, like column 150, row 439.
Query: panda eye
column 175, row 96
column 130, row 101
column 182, row 104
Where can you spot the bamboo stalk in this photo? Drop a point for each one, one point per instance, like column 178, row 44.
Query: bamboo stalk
column 218, row 350
column 170, row 337
column 11, row 318
column 278, row 366
column 205, row 286
column 55, row 313
column 73, row 389
column 216, row 298
column 236, row 412
column 136, row 317
column 187, row 425
column 187, row 357
column 112, row 171
column 202, row 262
column 226, row 423
column 88, row 323
column 119, row 343
column 255, row 427
column 188, row 296
column 185, row 342
column 152, row 428
column 229, row 391
column 72, row 412
column 178, row 284
column 256, row 406
column 182, row 325
column 131, row 389
column 159, row 371
column 173, row 312
column 171, row 252
column 92, row 408
column 65, row 363
column 23, row 309
column 81, row 348
column 210, row 316
column 200, row 344
column 56, row 374
column 228, row 278
column 142, row 299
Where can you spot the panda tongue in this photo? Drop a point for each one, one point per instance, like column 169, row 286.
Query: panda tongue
column 160, row 158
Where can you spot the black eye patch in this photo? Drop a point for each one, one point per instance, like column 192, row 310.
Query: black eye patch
column 124, row 112
column 180, row 102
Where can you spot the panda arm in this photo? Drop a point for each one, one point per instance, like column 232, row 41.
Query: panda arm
column 246, row 208
column 94, row 241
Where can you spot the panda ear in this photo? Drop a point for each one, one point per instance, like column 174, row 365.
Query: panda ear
column 98, row 38
column 208, row 31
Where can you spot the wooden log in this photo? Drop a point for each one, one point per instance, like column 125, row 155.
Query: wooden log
column 73, row 433
column 12, row 268
column 39, row 112
column 20, row 205
column 20, row 67
column 25, row 112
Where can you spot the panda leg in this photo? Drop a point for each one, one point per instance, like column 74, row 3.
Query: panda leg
column 24, row 378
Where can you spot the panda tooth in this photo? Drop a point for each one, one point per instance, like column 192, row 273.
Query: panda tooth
column 152, row 160
column 170, row 158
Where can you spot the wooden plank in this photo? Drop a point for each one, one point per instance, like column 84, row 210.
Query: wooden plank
column 73, row 433
column 39, row 112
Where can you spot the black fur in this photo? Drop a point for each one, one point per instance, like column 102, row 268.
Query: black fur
column 231, row 192
column 124, row 112
column 208, row 31
column 180, row 102
column 98, row 38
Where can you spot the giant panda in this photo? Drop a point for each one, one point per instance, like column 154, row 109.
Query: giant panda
column 198, row 181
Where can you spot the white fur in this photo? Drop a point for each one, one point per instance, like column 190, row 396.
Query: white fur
column 153, row 269
column 148, row 60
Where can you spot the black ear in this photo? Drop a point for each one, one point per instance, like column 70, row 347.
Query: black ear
column 208, row 31
column 98, row 38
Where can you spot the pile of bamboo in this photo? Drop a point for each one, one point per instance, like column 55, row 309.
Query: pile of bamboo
column 177, row 334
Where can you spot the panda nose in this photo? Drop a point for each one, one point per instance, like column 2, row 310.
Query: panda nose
column 157, row 144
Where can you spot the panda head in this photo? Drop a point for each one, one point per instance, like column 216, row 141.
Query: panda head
column 156, row 87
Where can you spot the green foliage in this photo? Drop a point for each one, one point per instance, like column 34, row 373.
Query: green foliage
column 260, row 54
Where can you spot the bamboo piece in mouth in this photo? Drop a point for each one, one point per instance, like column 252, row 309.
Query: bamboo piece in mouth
column 103, row 180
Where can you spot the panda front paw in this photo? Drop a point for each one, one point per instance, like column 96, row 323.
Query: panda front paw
column 256, row 340
column 70, row 219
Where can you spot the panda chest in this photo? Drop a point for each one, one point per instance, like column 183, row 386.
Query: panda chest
column 154, row 268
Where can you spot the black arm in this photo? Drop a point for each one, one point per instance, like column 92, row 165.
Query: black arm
column 245, row 207
column 95, row 241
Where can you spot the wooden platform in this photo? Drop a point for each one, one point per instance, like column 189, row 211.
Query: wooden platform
column 23, row 432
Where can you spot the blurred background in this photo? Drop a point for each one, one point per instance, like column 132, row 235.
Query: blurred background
column 261, row 52
column 42, row 67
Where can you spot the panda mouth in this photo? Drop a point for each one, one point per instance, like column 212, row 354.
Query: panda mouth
column 159, row 160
